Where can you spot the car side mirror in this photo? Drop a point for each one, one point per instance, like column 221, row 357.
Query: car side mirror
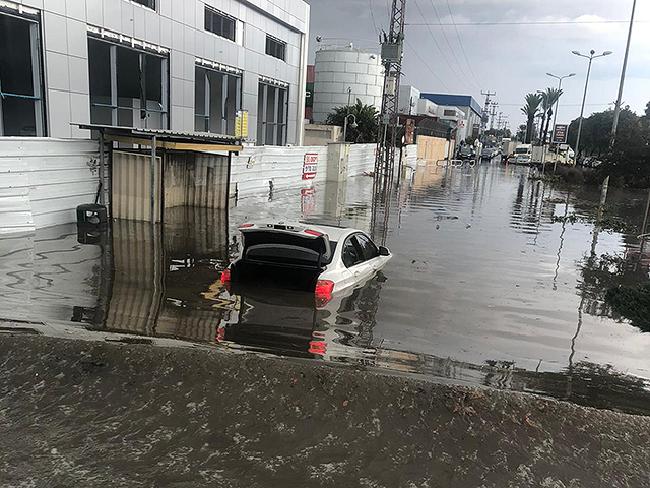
column 383, row 251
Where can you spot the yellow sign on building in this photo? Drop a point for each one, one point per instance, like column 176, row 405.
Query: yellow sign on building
column 241, row 124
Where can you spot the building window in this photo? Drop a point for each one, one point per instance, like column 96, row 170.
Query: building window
column 21, row 81
column 272, row 114
column 220, row 24
column 128, row 88
column 276, row 48
column 217, row 100
column 147, row 3
column 450, row 113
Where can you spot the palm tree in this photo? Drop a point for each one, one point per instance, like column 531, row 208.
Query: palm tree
column 366, row 116
column 551, row 97
column 530, row 111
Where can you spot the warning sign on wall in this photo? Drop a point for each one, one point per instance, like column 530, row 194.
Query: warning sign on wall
column 310, row 167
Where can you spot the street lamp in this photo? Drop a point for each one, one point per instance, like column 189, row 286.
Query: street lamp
column 354, row 125
column 591, row 57
column 557, row 105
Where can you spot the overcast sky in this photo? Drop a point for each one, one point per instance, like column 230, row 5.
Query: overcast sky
column 509, row 59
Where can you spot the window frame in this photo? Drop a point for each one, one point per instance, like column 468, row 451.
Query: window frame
column 372, row 244
column 114, row 106
column 38, row 82
column 279, row 120
column 352, row 240
column 223, row 16
column 225, row 129
column 142, row 4
column 279, row 44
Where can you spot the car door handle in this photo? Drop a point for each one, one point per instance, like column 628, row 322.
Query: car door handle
column 357, row 273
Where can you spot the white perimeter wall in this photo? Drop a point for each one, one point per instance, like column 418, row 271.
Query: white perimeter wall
column 42, row 180
column 256, row 166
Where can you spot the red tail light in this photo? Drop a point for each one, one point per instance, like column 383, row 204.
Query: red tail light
column 313, row 232
column 323, row 293
column 225, row 276
column 246, row 226
column 318, row 348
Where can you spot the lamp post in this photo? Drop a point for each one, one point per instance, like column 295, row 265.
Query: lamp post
column 617, row 108
column 591, row 57
column 557, row 105
column 345, row 125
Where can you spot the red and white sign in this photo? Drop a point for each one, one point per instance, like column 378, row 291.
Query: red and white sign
column 310, row 167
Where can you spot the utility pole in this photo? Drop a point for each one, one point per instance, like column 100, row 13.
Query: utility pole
column 392, row 48
column 619, row 100
column 485, row 118
column 493, row 114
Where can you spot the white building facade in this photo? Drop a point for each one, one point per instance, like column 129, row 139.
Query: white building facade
column 346, row 74
column 408, row 100
column 184, row 65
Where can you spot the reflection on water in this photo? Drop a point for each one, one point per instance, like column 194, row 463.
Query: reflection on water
column 489, row 284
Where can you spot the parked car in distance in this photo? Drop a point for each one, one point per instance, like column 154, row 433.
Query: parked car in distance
column 321, row 259
column 522, row 159
column 591, row 162
column 488, row 153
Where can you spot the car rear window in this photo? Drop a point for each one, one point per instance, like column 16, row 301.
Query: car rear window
column 278, row 246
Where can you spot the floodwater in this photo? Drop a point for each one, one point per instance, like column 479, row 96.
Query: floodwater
column 490, row 284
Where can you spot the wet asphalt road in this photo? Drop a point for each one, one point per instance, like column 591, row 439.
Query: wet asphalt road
column 98, row 414
column 488, row 285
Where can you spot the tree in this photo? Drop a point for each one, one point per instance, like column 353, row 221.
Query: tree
column 647, row 110
column 530, row 111
column 550, row 98
column 366, row 119
column 521, row 133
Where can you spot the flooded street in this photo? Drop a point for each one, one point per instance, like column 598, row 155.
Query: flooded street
column 497, row 280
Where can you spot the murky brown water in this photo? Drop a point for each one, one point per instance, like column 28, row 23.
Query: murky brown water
column 486, row 285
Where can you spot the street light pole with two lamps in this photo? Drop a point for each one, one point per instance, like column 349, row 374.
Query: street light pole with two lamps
column 591, row 57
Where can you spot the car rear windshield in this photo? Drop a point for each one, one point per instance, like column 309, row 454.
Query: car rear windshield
column 286, row 248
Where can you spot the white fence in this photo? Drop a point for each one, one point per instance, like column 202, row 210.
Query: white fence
column 257, row 168
column 42, row 180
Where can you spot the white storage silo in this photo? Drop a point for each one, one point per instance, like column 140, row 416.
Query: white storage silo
column 342, row 69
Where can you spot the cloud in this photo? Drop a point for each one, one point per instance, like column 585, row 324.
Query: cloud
column 511, row 59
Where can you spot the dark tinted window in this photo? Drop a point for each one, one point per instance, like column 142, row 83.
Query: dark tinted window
column 219, row 24
column 275, row 48
column 370, row 251
column 352, row 253
column 147, row 3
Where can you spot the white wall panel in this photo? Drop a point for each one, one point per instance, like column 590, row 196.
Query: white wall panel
column 42, row 180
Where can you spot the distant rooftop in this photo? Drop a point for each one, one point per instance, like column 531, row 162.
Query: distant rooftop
column 454, row 100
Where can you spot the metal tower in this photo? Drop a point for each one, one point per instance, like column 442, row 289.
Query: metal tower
column 392, row 48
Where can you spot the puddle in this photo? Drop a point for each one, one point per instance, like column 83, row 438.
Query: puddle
column 491, row 283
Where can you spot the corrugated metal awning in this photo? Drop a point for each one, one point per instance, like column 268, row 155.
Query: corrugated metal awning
column 167, row 139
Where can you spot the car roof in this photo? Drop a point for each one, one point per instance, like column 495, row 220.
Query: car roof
column 335, row 233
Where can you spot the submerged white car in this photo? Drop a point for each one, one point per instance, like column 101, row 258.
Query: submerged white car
column 320, row 259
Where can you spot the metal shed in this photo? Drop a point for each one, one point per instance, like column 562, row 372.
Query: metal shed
column 152, row 170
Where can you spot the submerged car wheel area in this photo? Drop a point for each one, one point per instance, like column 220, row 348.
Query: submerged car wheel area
column 319, row 259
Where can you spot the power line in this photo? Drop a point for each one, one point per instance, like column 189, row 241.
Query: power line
column 527, row 22
column 372, row 16
column 564, row 104
column 433, row 37
column 462, row 48
column 426, row 64
column 444, row 35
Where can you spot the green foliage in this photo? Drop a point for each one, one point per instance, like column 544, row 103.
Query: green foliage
column 530, row 110
column 628, row 162
column 633, row 303
column 366, row 119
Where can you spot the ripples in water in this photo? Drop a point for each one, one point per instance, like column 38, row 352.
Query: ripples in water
column 491, row 284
